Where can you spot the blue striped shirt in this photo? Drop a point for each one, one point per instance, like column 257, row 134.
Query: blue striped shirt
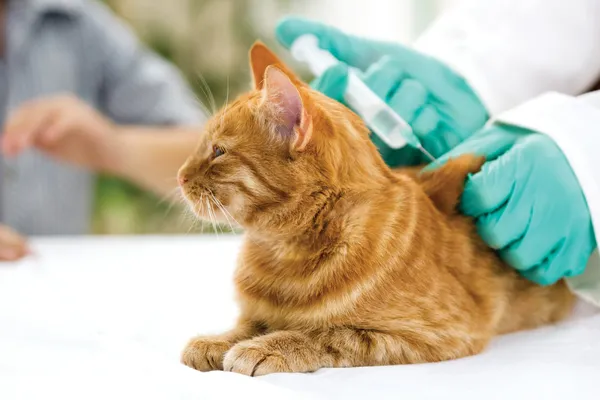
column 77, row 47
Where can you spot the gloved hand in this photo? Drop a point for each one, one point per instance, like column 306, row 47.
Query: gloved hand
column 438, row 104
column 528, row 204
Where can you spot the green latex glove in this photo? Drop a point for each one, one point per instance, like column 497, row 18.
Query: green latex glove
column 528, row 204
column 333, row 83
column 438, row 104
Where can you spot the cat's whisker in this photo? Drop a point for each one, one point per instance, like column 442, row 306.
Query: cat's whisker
column 208, row 93
column 200, row 104
column 227, row 93
column 184, row 220
column 191, row 214
column 219, row 225
column 193, row 225
column 183, row 215
column 187, row 216
column 202, row 221
column 170, row 196
column 226, row 105
column 203, row 90
column 175, row 196
column 222, row 209
column 225, row 213
column 210, row 215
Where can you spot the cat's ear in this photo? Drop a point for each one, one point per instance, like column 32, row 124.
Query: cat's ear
column 284, row 103
column 262, row 57
column 444, row 185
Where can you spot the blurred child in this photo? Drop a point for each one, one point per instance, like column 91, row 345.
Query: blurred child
column 79, row 93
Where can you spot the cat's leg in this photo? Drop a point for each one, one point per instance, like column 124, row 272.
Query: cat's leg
column 291, row 351
column 279, row 351
column 205, row 353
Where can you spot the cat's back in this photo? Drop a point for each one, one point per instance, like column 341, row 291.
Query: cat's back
column 407, row 262
column 513, row 301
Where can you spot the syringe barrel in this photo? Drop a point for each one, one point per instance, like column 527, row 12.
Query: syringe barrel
column 306, row 49
column 382, row 120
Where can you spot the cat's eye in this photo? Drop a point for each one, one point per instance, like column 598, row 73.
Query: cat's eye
column 218, row 151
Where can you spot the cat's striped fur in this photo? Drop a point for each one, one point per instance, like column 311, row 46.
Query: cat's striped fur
column 345, row 262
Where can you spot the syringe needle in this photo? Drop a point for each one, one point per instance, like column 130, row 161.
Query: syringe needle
column 428, row 154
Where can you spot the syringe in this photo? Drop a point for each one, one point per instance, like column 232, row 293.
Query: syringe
column 378, row 116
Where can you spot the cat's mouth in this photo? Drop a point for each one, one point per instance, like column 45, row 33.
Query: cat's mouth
column 206, row 206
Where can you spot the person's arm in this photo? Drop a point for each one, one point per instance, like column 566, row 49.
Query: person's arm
column 147, row 117
column 143, row 90
column 152, row 156
column 71, row 131
column 138, row 87
column 510, row 51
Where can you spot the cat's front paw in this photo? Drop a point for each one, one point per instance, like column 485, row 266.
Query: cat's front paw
column 254, row 359
column 205, row 353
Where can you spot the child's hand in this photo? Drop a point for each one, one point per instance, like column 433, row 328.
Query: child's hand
column 12, row 245
column 62, row 126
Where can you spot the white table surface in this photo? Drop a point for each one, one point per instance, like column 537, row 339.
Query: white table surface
column 106, row 318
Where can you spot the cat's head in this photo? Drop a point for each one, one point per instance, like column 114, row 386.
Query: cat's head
column 267, row 152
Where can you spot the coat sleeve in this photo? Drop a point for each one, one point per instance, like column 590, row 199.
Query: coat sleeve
column 510, row 51
column 574, row 124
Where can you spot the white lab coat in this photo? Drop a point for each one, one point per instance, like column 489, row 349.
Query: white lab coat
column 528, row 60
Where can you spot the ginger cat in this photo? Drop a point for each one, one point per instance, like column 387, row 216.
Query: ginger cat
column 345, row 262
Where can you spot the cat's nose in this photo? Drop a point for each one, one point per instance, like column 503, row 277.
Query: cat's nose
column 182, row 179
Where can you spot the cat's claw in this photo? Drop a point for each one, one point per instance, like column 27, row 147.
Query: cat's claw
column 205, row 354
column 252, row 359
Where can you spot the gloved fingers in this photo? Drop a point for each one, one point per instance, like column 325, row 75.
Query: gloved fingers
column 425, row 125
column 546, row 273
column 354, row 51
column 435, row 141
column 383, row 77
column 568, row 258
column 490, row 143
column 536, row 244
column 333, row 82
column 361, row 53
column 559, row 263
column 506, row 226
column 492, row 187
column 580, row 245
column 408, row 99
column 444, row 138
column 441, row 81
column 290, row 28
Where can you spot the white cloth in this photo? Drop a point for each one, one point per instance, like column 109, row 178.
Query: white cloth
column 106, row 318
column 540, row 53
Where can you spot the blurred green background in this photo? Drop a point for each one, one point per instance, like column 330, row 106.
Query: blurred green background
column 209, row 40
